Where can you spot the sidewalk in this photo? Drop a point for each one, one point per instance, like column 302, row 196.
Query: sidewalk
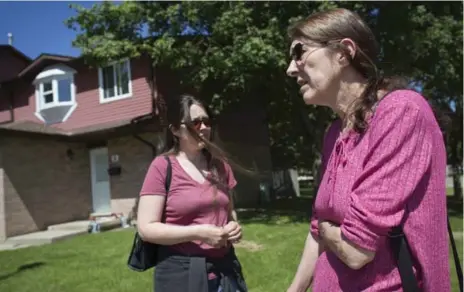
column 54, row 233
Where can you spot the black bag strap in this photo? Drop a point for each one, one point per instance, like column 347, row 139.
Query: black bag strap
column 167, row 185
column 457, row 262
column 402, row 254
column 403, row 259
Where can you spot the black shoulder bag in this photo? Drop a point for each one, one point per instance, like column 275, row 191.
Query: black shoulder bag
column 400, row 247
column 144, row 255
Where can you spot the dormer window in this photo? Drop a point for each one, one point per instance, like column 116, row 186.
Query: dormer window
column 55, row 94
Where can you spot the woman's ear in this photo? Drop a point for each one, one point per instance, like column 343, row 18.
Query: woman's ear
column 173, row 130
column 349, row 50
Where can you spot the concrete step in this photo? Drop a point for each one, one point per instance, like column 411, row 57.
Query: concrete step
column 43, row 237
column 75, row 225
column 106, row 224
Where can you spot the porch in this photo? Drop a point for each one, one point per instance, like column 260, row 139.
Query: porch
column 47, row 180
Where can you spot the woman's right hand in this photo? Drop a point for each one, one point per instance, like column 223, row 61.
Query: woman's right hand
column 295, row 288
column 213, row 235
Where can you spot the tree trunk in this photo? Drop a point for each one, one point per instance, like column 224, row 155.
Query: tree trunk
column 457, row 185
column 457, row 173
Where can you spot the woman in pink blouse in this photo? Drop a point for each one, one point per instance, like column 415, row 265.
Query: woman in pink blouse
column 383, row 165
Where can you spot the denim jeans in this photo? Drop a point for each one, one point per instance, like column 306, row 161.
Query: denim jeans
column 214, row 285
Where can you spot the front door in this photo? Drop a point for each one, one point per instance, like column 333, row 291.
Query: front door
column 101, row 195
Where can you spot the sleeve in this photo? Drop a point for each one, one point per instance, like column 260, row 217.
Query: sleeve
column 154, row 182
column 398, row 156
column 231, row 182
column 328, row 144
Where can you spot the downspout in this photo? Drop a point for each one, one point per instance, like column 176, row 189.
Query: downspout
column 153, row 147
column 10, row 105
column 150, row 115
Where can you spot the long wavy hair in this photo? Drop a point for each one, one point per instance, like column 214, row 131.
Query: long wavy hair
column 327, row 29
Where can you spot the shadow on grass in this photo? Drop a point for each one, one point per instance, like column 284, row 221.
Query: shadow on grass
column 298, row 210
column 454, row 206
column 22, row 269
column 292, row 210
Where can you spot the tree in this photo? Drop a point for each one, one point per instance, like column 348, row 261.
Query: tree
column 236, row 54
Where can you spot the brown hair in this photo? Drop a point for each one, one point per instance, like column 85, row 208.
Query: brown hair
column 328, row 28
column 178, row 110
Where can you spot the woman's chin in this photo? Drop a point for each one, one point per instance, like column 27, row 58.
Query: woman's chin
column 310, row 98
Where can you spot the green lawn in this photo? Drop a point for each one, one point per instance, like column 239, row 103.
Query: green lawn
column 97, row 262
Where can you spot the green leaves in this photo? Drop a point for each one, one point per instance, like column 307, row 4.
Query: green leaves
column 235, row 53
column 107, row 32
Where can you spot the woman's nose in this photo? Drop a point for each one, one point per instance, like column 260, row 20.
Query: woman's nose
column 292, row 70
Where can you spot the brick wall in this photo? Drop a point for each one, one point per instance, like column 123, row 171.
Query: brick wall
column 2, row 205
column 42, row 186
column 135, row 158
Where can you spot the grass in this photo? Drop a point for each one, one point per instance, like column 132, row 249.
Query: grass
column 97, row 262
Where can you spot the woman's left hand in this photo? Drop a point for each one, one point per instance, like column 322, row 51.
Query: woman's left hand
column 234, row 231
column 353, row 256
column 324, row 229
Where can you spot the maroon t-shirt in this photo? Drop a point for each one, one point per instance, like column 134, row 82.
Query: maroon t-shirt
column 190, row 202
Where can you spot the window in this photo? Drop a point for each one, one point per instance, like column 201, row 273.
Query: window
column 55, row 94
column 46, row 91
column 65, row 90
column 115, row 81
column 56, row 91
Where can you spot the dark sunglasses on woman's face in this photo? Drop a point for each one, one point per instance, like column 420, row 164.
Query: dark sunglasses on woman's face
column 196, row 123
column 297, row 52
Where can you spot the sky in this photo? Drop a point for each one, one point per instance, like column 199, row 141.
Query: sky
column 38, row 27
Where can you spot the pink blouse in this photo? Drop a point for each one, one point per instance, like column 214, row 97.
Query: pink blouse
column 392, row 174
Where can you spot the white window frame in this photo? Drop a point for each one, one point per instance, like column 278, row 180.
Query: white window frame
column 116, row 96
column 55, row 102
column 54, row 74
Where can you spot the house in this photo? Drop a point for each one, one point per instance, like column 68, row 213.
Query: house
column 77, row 140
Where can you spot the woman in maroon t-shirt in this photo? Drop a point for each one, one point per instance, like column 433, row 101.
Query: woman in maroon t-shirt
column 200, row 224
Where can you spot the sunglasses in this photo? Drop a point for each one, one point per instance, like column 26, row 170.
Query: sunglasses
column 297, row 52
column 196, row 123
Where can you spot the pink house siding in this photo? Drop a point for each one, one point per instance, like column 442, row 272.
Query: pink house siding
column 5, row 115
column 10, row 64
column 24, row 103
column 89, row 110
